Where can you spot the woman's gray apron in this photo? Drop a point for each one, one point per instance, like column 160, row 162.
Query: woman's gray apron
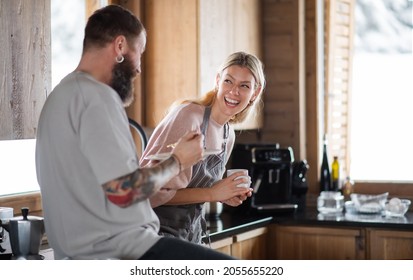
column 188, row 221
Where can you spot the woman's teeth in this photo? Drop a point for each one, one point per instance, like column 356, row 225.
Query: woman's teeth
column 231, row 101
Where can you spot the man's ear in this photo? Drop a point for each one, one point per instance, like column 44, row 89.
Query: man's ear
column 121, row 45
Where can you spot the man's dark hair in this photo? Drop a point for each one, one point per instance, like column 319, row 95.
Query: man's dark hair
column 107, row 23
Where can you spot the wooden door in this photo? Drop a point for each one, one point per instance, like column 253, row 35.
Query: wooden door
column 390, row 244
column 317, row 243
column 250, row 245
column 223, row 245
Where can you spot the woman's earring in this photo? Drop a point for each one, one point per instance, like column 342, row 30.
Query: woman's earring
column 120, row 60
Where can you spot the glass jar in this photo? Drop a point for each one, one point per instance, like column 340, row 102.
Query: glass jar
column 330, row 202
column 348, row 188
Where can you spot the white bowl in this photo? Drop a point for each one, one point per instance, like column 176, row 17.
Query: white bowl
column 396, row 207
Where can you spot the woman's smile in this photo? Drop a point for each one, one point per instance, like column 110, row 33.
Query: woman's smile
column 231, row 102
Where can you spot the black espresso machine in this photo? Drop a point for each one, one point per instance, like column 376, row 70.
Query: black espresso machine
column 278, row 182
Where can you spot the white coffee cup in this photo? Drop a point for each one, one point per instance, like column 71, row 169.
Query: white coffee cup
column 245, row 171
column 6, row 213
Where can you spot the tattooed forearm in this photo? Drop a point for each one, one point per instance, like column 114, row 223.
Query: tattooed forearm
column 142, row 183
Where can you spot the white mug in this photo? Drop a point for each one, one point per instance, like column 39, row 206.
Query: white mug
column 6, row 213
column 232, row 171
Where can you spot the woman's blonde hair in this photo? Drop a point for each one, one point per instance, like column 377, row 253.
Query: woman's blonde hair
column 257, row 69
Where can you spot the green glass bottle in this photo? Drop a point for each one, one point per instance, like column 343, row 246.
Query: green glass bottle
column 325, row 174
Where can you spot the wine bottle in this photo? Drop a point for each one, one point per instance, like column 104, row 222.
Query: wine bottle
column 335, row 174
column 325, row 175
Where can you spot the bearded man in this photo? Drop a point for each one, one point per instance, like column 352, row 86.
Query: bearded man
column 94, row 194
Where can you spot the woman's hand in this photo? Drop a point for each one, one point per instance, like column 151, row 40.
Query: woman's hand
column 237, row 200
column 227, row 190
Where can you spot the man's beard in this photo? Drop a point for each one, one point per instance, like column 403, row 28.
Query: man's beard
column 123, row 75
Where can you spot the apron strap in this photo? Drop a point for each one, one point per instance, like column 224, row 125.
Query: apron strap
column 205, row 122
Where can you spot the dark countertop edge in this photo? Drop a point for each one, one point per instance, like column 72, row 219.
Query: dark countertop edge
column 241, row 228
column 313, row 218
column 347, row 224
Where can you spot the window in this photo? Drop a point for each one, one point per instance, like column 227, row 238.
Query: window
column 17, row 160
column 68, row 23
column 382, row 92
column 369, row 100
column 19, row 181
column 17, row 156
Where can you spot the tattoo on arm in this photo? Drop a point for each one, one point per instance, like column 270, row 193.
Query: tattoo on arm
column 142, row 183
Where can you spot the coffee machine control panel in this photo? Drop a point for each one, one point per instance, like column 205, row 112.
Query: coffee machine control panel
column 268, row 155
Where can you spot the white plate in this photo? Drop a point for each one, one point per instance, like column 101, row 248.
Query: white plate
column 164, row 156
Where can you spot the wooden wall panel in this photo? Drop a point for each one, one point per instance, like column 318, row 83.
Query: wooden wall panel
column 92, row 5
column 136, row 110
column 283, row 44
column 312, row 88
column 285, row 91
column 171, row 57
column 279, row 137
column 25, row 74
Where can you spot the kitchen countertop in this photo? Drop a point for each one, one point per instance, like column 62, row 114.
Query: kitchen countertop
column 229, row 224
column 349, row 219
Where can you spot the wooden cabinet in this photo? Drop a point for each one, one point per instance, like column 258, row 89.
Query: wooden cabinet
column 325, row 243
column 390, row 244
column 223, row 245
column 305, row 242
column 250, row 245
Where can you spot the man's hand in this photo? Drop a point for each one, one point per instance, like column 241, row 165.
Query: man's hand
column 189, row 149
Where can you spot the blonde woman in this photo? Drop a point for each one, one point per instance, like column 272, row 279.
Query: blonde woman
column 238, row 89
